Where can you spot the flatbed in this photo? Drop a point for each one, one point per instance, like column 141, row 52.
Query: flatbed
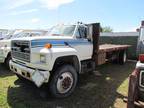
column 106, row 52
column 112, row 47
column 110, row 52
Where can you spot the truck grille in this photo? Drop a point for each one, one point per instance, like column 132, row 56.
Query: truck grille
column 21, row 50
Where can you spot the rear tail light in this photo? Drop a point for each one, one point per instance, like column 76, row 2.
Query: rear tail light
column 141, row 57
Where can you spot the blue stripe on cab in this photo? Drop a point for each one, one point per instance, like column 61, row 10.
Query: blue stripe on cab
column 41, row 43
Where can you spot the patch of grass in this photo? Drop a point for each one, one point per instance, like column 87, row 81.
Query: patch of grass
column 106, row 91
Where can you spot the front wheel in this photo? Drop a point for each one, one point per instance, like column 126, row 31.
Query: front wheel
column 7, row 61
column 63, row 81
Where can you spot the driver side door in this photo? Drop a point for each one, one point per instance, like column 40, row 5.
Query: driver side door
column 84, row 47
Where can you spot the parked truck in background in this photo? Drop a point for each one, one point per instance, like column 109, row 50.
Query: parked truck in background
column 59, row 58
column 136, row 79
column 140, row 44
column 5, row 43
column 136, row 85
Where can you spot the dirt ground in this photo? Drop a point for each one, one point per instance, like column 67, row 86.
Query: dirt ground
column 105, row 91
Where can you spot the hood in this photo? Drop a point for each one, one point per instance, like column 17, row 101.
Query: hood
column 40, row 41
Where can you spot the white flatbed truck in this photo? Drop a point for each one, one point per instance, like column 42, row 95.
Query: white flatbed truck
column 58, row 59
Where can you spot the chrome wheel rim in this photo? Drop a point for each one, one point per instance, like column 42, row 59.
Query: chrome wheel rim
column 64, row 82
column 125, row 57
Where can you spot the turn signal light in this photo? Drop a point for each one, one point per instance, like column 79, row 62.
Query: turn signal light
column 141, row 57
column 48, row 46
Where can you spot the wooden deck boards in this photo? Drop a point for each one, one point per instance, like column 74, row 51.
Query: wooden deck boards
column 112, row 47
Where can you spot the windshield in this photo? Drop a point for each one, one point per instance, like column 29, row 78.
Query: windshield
column 63, row 30
column 3, row 32
column 20, row 35
column 24, row 34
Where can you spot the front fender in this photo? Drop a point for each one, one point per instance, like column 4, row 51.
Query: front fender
column 54, row 53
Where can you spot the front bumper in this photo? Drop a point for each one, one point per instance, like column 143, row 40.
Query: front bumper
column 37, row 76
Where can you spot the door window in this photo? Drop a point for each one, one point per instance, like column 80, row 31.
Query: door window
column 81, row 32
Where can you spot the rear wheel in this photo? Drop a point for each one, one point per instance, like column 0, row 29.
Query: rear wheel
column 63, row 81
column 122, row 57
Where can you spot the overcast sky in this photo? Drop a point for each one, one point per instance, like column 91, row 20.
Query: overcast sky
column 122, row 15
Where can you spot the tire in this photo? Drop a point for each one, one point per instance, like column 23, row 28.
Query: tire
column 122, row 57
column 63, row 81
column 7, row 61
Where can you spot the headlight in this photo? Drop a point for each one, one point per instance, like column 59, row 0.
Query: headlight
column 43, row 58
